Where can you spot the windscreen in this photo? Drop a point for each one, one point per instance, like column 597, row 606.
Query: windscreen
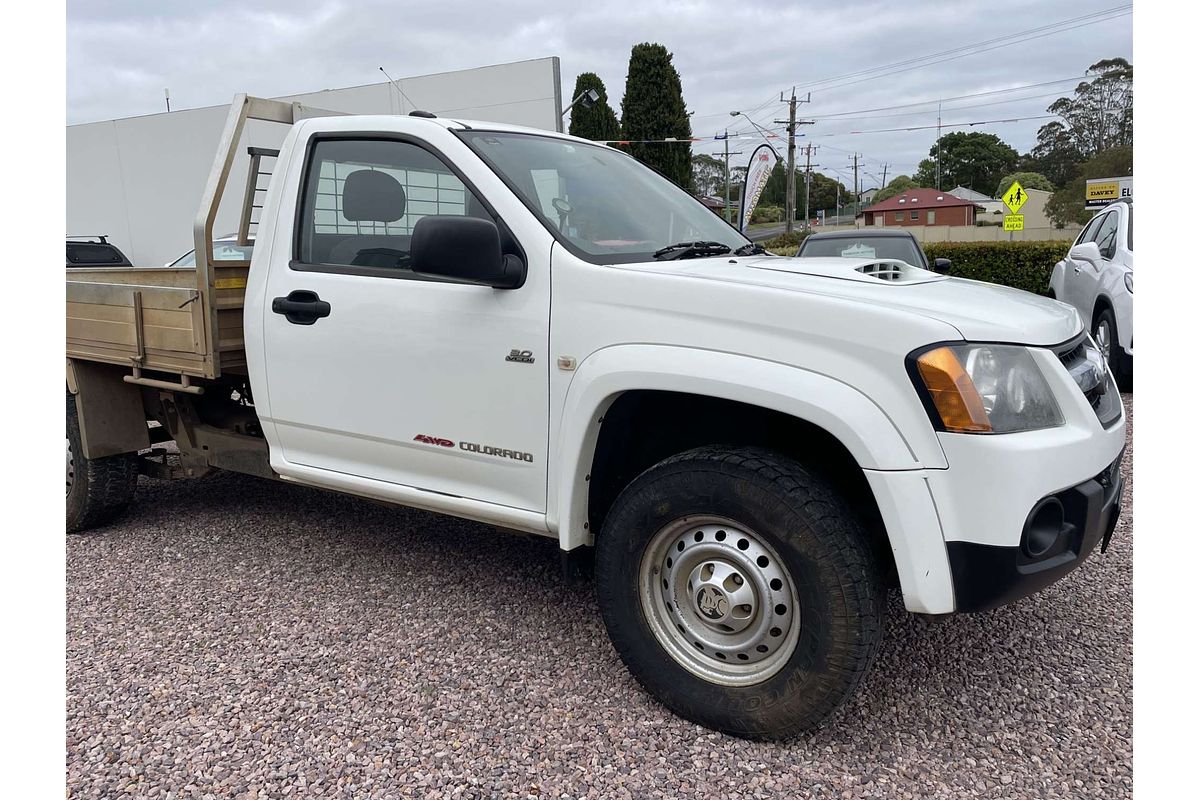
column 898, row 247
column 606, row 206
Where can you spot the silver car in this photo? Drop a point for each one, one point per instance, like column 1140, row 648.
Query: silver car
column 1096, row 278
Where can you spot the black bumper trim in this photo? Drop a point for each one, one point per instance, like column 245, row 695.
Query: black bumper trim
column 987, row 576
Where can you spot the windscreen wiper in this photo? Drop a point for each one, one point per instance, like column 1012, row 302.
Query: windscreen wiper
column 692, row 250
column 752, row 249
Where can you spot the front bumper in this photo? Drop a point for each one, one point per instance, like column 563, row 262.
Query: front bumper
column 951, row 528
column 986, row 576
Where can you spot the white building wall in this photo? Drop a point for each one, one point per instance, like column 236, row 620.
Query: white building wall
column 139, row 179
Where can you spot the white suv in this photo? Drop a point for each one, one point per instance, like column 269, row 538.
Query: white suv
column 1096, row 278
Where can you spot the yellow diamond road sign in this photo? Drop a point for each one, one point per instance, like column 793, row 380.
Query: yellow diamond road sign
column 1015, row 197
column 1014, row 222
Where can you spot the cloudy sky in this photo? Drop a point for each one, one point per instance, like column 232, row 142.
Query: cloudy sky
column 730, row 55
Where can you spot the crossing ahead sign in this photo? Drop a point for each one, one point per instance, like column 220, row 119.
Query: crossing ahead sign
column 1015, row 197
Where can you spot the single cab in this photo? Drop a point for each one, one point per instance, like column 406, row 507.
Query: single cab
column 539, row 332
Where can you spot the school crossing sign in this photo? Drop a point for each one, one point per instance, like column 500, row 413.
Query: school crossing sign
column 1014, row 198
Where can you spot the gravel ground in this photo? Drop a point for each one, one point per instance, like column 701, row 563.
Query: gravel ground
column 237, row 638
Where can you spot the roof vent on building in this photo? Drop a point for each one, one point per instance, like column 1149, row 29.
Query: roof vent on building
column 915, row 199
column 901, row 199
column 939, row 197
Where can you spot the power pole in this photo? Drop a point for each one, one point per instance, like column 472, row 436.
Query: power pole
column 856, row 156
column 790, row 200
column 728, row 218
column 884, row 182
column 939, row 147
column 808, row 165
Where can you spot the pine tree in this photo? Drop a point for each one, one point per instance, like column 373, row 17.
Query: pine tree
column 598, row 123
column 653, row 108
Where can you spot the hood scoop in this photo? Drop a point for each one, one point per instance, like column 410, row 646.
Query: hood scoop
column 865, row 270
column 893, row 271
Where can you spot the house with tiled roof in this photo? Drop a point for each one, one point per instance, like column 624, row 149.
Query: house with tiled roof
column 921, row 207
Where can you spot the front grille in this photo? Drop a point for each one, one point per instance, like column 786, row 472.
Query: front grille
column 1097, row 385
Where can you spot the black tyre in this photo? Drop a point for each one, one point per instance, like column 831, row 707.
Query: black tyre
column 740, row 590
column 1104, row 331
column 98, row 489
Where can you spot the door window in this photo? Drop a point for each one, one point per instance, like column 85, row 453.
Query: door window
column 362, row 198
column 1088, row 231
column 1106, row 235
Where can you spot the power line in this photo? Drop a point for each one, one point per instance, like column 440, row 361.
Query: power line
column 973, row 49
column 955, row 98
column 976, row 48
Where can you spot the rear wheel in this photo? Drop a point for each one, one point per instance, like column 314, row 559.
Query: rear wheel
column 98, row 489
column 740, row 591
column 1104, row 331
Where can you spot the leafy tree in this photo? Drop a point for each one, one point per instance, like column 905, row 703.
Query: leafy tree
column 1054, row 156
column 1098, row 117
column 653, row 109
column 1030, row 180
column 975, row 160
column 822, row 194
column 598, row 123
column 1066, row 205
column 708, row 175
column 898, row 184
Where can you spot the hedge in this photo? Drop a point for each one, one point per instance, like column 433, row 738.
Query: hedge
column 766, row 214
column 785, row 244
column 1024, row 265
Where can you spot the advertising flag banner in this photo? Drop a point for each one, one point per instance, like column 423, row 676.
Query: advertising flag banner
column 762, row 161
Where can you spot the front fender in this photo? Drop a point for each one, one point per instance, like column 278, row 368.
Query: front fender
column 846, row 413
column 1056, row 280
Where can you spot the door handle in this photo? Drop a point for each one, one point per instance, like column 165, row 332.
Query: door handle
column 301, row 307
column 1077, row 270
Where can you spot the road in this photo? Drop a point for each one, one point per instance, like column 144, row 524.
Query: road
column 232, row 637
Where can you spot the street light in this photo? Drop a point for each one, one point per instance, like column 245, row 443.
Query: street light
column 587, row 99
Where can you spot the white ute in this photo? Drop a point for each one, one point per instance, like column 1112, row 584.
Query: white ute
column 539, row 332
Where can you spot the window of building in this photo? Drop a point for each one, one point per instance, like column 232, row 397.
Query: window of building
column 899, row 216
column 362, row 198
column 930, row 216
column 913, row 215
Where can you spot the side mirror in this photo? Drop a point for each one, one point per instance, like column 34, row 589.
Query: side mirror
column 466, row 249
column 942, row 266
column 1086, row 251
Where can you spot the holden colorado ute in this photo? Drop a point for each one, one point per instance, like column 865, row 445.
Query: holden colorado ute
column 540, row 333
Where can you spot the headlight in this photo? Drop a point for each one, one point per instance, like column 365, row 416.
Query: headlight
column 986, row 388
column 1129, row 281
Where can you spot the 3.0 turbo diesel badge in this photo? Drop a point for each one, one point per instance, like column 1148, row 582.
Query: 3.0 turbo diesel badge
column 521, row 356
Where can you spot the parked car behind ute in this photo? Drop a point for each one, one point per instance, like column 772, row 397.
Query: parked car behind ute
column 1096, row 277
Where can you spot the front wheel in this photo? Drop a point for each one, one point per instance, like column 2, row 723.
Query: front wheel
column 1104, row 331
column 739, row 590
column 98, row 489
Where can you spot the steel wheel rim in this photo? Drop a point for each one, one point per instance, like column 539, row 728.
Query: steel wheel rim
column 1103, row 339
column 719, row 600
column 70, row 468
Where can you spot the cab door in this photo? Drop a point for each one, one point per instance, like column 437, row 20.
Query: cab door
column 378, row 373
column 1087, row 274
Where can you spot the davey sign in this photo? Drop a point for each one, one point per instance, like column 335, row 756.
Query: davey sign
column 1102, row 191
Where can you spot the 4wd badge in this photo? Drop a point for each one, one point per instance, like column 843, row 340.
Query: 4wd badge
column 521, row 356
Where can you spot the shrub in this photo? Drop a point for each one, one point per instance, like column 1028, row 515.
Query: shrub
column 784, row 244
column 1022, row 265
column 766, row 214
